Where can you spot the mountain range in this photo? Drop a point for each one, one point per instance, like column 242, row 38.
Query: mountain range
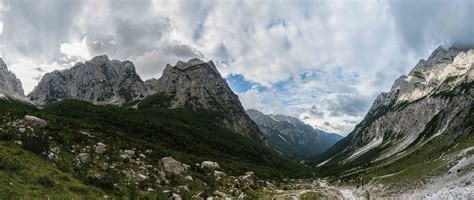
column 97, row 130
column 290, row 136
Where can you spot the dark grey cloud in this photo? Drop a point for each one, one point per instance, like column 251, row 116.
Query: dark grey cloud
column 39, row 69
column 423, row 23
column 182, row 50
column 37, row 28
column 350, row 104
column 135, row 37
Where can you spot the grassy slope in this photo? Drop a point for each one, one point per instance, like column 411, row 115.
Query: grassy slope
column 189, row 136
column 184, row 134
column 24, row 174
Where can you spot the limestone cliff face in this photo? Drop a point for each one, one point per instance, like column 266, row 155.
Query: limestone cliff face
column 10, row 86
column 100, row 81
column 198, row 84
column 290, row 136
column 435, row 98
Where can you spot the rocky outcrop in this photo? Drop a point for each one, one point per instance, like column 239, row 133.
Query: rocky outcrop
column 198, row 85
column 292, row 137
column 10, row 85
column 435, row 98
column 100, row 81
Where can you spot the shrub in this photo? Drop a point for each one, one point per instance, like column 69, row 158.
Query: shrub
column 36, row 144
column 46, row 181
column 10, row 163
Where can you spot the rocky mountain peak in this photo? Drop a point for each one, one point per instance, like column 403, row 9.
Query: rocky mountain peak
column 199, row 85
column 98, row 80
column 193, row 62
column 10, row 85
column 434, row 96
column 443, row 64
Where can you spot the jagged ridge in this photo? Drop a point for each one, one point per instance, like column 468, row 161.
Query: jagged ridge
column 99, row 81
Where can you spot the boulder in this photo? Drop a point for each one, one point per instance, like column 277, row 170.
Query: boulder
column 248, row 179
column 176, row 196
column 209, row 165
column 141, row 177
column 219, row 174
column 100, row 148
column 170, row 165
column 82, row 158
column 189, row 178
column 34, row 121
column 128, row 154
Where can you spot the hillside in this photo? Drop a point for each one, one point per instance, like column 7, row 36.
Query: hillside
column 419, row 131
column 76, row 128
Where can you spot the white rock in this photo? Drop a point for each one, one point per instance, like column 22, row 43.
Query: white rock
column 34, row 121
column 219, row 174
column 209, row 165
column 247, row 179
column 141, row 177
column 100, row 148
column 189, row 178
column 128, row 154
column 177, row 197
column 170, row 165
column 82, row 158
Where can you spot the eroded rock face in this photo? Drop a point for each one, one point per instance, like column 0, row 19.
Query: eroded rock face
column 99, row 81
column 10, row 85
column 434, row 97
column 198, row 84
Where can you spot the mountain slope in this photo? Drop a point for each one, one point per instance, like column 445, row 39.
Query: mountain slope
column 135, row 141
column 198, row 85
column 415, row 131
column 100, row 81
column 291, row 136
column 10, row 86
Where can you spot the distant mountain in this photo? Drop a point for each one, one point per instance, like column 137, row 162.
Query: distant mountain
column 10, row 85
column 290, row 136
column 100, row 81
column 423, row 125
column 198, row 85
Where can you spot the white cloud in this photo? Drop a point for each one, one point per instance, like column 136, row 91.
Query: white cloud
column 355, row 49
column 75, row 50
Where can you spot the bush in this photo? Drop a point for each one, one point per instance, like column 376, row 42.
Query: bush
column 7, row 136
column 36, row 144
column 46, row 181
column 10, row 163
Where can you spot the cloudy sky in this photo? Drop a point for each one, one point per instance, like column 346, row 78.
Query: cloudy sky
column 322, row 61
